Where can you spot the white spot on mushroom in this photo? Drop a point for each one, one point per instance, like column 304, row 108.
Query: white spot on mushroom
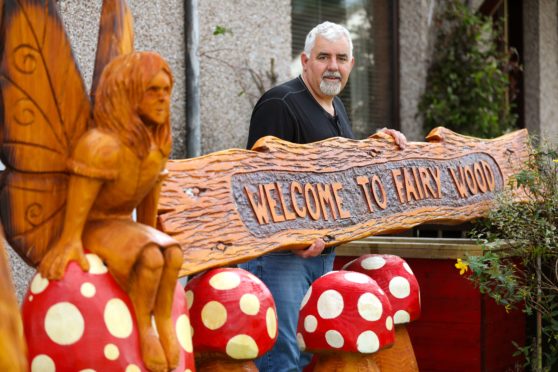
column 310, row 323
column 408, row 268
column 306, row 297
column 88, row 370
column 118, row 318
column 189, row 299
column 42, row 363
column 38, row 284
column 213, row 315
column 183, row 333
column 368, row 342
column 373, row 263
column 271, row 322
column 87, row 290
column 96, row 265
column 252, row 277
column 399, row 287
column 389, row 323
column 369, row 307
column 348, row 264
column 357, row 278
column 154, row 325
column 111, row 352
column 329, row 273
column 249, row 304
column 401, row 317
column 225, row 280
column 30, row 298
column 133, row 368
column 242, row 347
column 300, row 342
column 64, row 323
column 330, row 304
column 334, row 339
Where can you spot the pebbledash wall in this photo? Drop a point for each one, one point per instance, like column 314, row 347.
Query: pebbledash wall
column 255, row 31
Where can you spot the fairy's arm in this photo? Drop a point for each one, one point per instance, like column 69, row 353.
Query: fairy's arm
column 92, row 164
column 81, row 195
column 146, row 211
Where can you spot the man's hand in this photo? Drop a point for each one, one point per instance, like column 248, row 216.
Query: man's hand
column 314, row 250
column 398, row 137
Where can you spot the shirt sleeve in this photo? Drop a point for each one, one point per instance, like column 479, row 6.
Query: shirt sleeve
column 271, row 118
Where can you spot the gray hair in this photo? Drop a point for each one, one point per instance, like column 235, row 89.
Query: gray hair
column 329, row 31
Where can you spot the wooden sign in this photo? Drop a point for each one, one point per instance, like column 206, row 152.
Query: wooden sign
column 236, row 204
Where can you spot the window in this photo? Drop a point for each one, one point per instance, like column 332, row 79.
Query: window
column 370, row 96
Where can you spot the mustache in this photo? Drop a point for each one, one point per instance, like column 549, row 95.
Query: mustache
column 330, row 74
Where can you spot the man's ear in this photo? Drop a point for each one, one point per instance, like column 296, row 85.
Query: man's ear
column 352, row 63
column 304, row 60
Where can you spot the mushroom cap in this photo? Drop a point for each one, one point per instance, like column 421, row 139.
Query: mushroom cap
column 396, row 278
column 86, row 322
column 345, row 311
column 232, row 313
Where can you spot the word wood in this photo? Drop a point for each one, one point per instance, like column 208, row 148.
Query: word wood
column 234, row 205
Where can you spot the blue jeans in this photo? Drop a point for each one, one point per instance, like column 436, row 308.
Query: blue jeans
column 288, row 277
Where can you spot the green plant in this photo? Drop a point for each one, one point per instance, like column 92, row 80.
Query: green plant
column 520, row 262
column 467, row 83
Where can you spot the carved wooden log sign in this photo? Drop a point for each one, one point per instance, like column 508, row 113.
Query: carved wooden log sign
column 233, row 205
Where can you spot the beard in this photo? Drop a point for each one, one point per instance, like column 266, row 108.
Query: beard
column 330, row 88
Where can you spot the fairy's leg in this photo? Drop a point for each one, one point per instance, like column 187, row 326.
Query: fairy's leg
column 163, row 304
column 143, row 288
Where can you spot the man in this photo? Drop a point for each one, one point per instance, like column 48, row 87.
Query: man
column 303, row 110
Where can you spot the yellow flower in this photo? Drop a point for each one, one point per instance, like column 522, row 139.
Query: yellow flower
column 462, row 266
column 508, row 308
column 555, row 160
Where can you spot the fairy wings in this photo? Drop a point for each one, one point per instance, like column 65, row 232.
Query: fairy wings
column 44, row 110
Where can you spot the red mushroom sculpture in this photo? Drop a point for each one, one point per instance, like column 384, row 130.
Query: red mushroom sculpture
column 344, row 318
column 396, row 278
column 233, row 318
column 85, row 322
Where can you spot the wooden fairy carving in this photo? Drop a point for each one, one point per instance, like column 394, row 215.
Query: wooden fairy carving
column 72, row 183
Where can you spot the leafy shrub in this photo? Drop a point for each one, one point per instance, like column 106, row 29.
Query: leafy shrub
column 467, row 86
column 520, row 262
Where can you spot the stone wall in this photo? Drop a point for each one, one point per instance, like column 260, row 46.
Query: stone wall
column 256, row 31
column 416, row 39
column 540, row 39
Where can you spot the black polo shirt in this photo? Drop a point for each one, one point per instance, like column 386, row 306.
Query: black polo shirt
column 290, row 112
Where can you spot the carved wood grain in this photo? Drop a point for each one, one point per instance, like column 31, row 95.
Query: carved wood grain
column 197, row 209
column 116, row 37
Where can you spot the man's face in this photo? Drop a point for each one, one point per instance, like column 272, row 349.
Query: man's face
column 328, row 67
column 155, row 105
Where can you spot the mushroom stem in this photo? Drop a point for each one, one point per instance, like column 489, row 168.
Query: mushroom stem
column 216, row 362
column 345, row 362
column 400, row 357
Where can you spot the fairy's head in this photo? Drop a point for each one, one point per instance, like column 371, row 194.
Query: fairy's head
column 133, row 101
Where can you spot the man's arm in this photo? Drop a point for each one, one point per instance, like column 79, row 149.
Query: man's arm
column 271, row 118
